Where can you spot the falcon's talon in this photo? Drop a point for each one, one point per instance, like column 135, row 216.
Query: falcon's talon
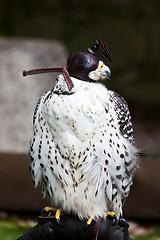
column 48, row 208
column 50, row 211
column 57, row 214
column 89, row 221
column 110, row 213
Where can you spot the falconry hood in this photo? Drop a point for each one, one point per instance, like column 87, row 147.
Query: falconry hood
column 79, row 64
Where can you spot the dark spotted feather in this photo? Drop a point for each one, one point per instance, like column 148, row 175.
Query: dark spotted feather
column 123, row 116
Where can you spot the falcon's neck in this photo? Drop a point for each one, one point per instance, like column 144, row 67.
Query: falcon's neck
column 61, row 86
column 95, row 89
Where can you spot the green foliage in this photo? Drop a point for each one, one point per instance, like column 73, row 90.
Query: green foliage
column 11, row 230
column 154, row 235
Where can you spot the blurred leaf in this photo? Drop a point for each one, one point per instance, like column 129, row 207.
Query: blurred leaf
column 11, row 230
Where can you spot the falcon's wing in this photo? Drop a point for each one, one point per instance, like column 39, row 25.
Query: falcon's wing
column 123, row 115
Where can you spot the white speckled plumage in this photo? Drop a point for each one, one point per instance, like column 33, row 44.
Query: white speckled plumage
column 82, row 149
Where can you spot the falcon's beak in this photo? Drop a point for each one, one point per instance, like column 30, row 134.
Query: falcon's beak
column 105, row 72
column 108, row 73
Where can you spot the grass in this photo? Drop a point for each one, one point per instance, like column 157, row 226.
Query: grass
column 153, row 235
column 11, row 230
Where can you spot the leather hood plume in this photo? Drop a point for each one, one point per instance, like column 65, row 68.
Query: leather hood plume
column 104, row 51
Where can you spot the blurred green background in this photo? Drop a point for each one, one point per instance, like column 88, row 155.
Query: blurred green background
column 130, row 28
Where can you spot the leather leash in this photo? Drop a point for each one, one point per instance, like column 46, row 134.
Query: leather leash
column 96, row 228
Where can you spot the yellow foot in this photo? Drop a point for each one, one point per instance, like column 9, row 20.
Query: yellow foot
column 51, row 210
column 58, row 213
column 48, row 208
column 112, row 214
column 89, row 221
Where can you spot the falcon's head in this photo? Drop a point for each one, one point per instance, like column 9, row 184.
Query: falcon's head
column 88, row 67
